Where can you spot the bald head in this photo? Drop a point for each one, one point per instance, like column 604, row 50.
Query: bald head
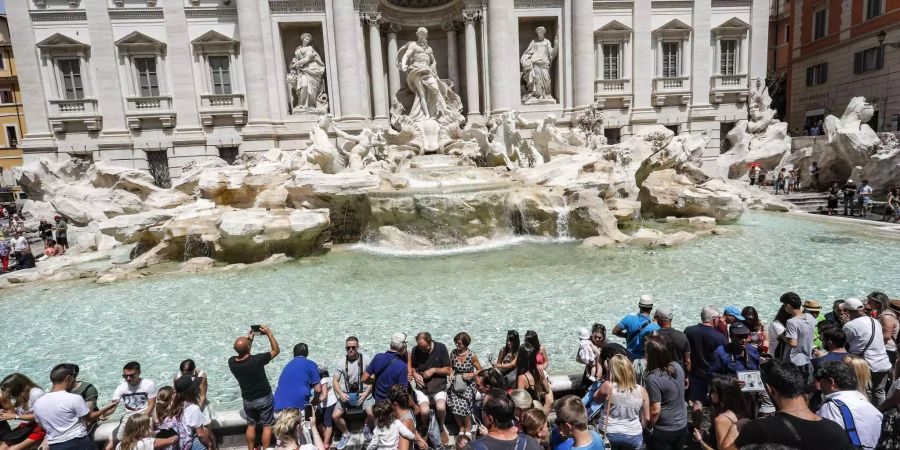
column 242, row 345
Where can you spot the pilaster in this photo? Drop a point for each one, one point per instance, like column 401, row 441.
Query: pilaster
column 105, row 84
column 503, row 59
column 253, row 56
column 39, row 136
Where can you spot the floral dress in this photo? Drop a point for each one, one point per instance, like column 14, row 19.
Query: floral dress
column 461, row 403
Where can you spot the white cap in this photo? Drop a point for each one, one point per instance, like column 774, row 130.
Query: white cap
column 853, row 303
column 646, row 300
column 398, row 338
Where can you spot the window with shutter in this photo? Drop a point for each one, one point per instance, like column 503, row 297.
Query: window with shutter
column 820, row 24
column 728, row 57
column 70, row 72
column 868, row 60
column 611, row 62
column 809, row 76
column 873, row 9
column 220, row 66
column 670, row 59
column 148, row 79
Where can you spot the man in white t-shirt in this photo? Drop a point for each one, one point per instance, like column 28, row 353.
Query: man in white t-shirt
column 137, row 394
column 19, row 243
column 846, row 406
column 65, row 415
column 865, row 338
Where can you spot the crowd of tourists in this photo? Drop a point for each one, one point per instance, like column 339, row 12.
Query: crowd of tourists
column 16, row 252
column 806, row 380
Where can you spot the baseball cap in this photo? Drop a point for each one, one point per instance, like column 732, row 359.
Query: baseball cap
column 398, row 338
column 733, row 311
column 812, row 305
column 853, row 303
column 739, row 329
column 646, row 300
column 664, row 312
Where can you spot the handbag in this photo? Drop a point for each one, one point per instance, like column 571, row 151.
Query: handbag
column 459, row 384
column 18, row 434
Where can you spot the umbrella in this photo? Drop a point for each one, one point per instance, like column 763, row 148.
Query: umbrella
column 754, row 164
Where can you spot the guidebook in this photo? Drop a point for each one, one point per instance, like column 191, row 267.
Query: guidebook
column 752, row 381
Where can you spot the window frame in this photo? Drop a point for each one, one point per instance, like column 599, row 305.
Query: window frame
column 213, row 71
column 63, row 89
column 678, row 59
column 815, row 24
column 12, row 97
column 2, row 59
column 735, row 56
column 868, row 9
column 15, row 128
column 817, row 74
column 137, row 74
column 608, row 68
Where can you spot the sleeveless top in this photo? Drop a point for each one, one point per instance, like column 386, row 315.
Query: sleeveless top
column 625, row 411
column 891, row 345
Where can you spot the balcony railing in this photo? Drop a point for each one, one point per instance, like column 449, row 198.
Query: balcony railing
column 615, row 87
column 672, row 84
column 222, row 101
column 729, row 82
column 80, row 107
column 149, row 104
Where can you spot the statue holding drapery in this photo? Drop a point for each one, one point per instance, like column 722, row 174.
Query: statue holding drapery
column 425, row 95
column 536, row 63
column 306, row 78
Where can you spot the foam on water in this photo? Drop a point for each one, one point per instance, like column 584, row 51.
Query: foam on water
column 493, row 244
column 553, row 289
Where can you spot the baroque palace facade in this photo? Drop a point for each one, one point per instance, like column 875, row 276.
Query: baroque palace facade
column 154, row 84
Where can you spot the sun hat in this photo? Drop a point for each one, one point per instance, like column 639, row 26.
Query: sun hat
column 812, row 305
column 733, row 311
column 646, row 300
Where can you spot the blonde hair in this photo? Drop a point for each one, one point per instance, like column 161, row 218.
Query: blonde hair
column 861, row 368
column 621, row 372
column 164, row 398
column 286, row 425
column 137, row 427
column 532, row 422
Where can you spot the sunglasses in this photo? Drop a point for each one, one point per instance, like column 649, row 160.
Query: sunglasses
column 129, row 375
column 351, row 347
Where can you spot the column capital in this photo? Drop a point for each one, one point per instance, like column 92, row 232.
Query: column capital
column 391, row 27
column 373, row 18
column 471, row 16
column 450, row 25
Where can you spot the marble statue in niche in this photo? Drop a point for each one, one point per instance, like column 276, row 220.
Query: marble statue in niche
column 536, row 63
column 306, row 78
column 425, row 96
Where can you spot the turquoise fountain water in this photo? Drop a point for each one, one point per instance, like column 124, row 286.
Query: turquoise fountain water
column 553, row 288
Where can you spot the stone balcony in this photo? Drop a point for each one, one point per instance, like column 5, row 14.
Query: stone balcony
column 731, row 88
column 64, row 113
column 141, row 109
column 223, row 106
column 671, row 90
column 613, row 93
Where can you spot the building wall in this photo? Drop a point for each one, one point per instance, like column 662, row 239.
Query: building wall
column 11, row 118
column 109, row 125
column 848, row 33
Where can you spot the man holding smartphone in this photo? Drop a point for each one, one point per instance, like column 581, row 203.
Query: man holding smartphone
column 256, row 392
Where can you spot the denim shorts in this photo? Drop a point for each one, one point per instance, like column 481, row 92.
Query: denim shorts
column 260, row 411
column 618, row 440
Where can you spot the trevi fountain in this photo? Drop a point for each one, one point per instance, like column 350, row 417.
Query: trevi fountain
column 434, row 223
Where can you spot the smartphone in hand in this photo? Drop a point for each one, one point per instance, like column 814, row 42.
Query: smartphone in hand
column 256, row 329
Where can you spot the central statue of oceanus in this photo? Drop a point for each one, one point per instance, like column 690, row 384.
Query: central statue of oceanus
column 425, row 95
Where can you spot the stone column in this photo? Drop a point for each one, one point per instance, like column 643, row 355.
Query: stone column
column 393, row 71
column 452, row 56
column 346, row 21
column 107, row 88
column 503, row 45
column 700, row 57
column 178, row 57
column 28, row 67
column 642, row 58
column 583, row 53
column 256, row 89
column 377, row 65
column 473, row 97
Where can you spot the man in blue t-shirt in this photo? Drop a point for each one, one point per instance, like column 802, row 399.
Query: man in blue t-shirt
column 634, row 327
column 298, row 378
column 388, row 368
